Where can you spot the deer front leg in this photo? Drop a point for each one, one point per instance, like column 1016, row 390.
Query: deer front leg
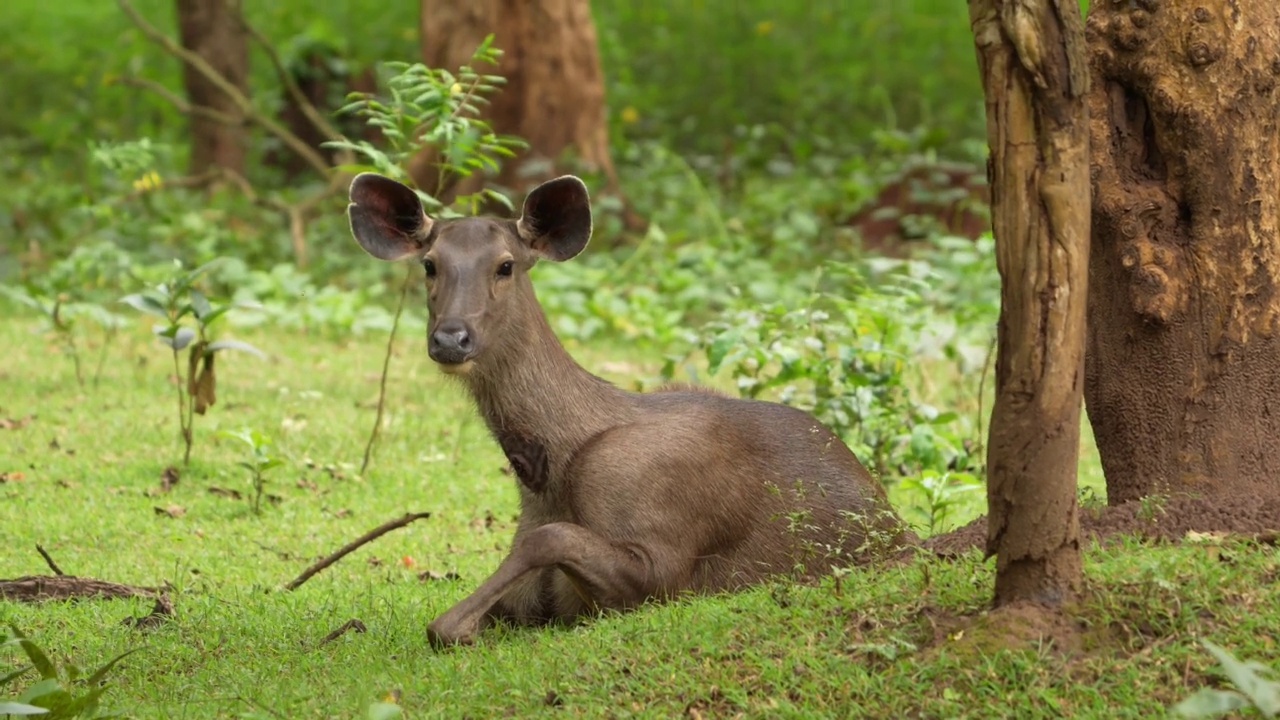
column 610, row 576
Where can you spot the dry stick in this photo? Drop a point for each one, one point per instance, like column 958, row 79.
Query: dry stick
column 286, row 78
column 49, row 561
column 180, row 103
column 386, row 363
column 352, row 624
column 368, row 537
column 166, row 43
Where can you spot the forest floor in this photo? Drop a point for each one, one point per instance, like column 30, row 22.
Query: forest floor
column 82, row 473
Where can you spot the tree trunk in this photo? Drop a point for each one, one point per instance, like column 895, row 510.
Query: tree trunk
column 554, row 95
column 1032, row 57
column 211, row 29
column 1182, row 378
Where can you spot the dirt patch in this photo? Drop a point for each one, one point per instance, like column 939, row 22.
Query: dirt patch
column 1167, row 519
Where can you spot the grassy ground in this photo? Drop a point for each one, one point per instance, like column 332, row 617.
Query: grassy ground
column 892, row 642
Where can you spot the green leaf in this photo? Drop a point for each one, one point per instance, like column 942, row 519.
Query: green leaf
column 384, row 711
column 15, row 674
column 48, row 691
column 1264, row 694
column 234, row 345
column 176, row 338
column 720, row 348
column 39, row 660
column 269, row 464
column 146, row 304
column 1209, row 702
column 17, row 708
column 200, row 304
column 101, row 672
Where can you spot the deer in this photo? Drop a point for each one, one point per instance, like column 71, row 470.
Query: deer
column 625, row 497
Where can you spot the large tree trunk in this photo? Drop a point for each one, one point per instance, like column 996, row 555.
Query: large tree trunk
column 554, row 95
column 1034, row 74
column 1182, row 379
column 211, row 29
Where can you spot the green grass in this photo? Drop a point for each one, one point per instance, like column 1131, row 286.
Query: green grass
column 891, row 642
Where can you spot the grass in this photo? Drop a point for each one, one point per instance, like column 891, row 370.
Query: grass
column 892, row 642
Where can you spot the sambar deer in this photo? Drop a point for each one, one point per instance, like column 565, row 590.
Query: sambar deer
column 624, row 497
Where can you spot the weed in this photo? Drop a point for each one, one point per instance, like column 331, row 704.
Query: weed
column 1256, row 686
column 60, row 693
column 261, row 460
column 173, row 301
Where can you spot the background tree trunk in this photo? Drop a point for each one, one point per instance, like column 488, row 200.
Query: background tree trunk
column 1032, row 57
column 554, row 95
column 1182, row 379
column 211, row 29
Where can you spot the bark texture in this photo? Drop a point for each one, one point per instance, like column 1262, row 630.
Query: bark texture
column 211, row 29
column 1182, row 379
column 554, row 96
column 1034, row 73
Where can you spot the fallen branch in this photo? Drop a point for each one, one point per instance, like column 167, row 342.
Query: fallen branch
column 368, row 537
column 42, row 588
column 49, row 561
column 352, row 624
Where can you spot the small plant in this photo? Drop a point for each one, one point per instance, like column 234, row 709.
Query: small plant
column 845, row 359
column 1257, row 686
column 431, row 108
column 940, row 493
column 175, row 301
column 58, row 693
column 261, row 460
column 65, row 294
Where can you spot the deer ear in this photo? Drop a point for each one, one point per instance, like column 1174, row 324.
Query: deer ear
column 556, row 220
column 387, row 218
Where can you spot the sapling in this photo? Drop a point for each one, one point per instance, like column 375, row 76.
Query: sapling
column 261, row 460
column 188, row 317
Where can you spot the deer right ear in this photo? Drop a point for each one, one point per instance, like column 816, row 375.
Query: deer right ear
column 556, row 220
column 387, row 218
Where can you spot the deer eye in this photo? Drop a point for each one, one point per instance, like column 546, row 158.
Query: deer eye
column 430, row 267
column 506, row 268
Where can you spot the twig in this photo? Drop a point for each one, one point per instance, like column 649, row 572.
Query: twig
column 386, row 363
column 184, row 107
column 352, row 624
column 49, row 561
column 368, row 537
column 286, row 78
column 166, row 43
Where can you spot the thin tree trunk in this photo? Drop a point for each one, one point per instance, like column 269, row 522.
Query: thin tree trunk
column 1033, row 63
column 1182, row 378
column 210, row 29
column 554, row 96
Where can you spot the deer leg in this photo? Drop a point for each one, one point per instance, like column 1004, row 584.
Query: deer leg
column 609, row 575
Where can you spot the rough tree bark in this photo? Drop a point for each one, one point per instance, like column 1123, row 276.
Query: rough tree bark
column 554, row 96
column 1034, row 73
column 211, row 29
column 1182, row 380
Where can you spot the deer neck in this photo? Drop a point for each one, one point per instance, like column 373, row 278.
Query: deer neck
column 541, row 405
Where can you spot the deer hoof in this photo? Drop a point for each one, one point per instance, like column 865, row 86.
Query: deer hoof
column 443, row 637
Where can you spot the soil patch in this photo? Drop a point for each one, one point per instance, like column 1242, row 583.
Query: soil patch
column 1167, row 520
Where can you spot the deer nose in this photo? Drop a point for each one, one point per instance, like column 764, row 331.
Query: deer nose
column 451, row 343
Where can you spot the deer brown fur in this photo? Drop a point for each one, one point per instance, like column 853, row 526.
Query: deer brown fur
column 624, row 497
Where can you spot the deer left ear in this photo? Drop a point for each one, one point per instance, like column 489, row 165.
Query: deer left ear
column 556, row 219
